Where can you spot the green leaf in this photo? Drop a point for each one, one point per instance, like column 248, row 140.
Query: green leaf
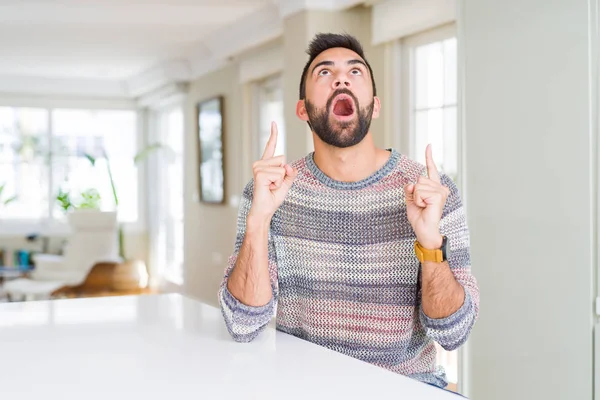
column 91, row 199
column 10, row 200
column 145, row 152
column 63, row 198
column 2, row 188
column 91, row 159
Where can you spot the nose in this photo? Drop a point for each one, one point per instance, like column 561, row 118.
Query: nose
column 341, row 81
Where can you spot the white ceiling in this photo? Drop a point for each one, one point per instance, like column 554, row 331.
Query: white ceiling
column 107, row 39
column 126, row 48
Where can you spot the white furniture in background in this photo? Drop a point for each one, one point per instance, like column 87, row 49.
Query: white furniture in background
column 93, row 238
column 169, row 346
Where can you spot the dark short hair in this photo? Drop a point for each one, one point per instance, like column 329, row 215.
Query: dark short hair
column 326, row 41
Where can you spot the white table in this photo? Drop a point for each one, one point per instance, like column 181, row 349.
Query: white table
column 172, row 347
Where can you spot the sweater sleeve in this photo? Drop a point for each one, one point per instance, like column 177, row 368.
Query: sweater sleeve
column 244, row 322
column 452, row 332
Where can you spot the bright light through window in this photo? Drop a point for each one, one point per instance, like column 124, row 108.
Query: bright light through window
column 23, row 163
column 80, row 132
column 167, row 217
column 434, row 112
column 270, row 108
column 43, row 151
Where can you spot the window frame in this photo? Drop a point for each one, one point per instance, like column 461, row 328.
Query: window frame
column 48, row 226
column 251, row 123
column 271, row 79
column 162, row 275
column 406, row 59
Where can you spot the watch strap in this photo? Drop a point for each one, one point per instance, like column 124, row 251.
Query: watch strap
column 430, row 255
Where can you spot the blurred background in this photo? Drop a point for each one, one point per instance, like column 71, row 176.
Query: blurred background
column 128, row 129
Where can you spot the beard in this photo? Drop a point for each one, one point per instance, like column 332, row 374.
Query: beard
column 337, row 133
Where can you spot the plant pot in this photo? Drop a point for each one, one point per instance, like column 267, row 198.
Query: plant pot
column 81, row 219
column 130, row 275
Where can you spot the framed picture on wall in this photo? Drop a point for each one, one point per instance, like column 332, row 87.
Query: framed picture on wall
column 211, row 154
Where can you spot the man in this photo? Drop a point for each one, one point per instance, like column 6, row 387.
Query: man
column 358, row 249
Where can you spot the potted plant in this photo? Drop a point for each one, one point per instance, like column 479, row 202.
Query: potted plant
column 85, row 211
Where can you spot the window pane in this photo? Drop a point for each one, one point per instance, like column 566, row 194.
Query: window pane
column 450, row 164
column 429, row 75
column 166, row 214
column 23, row 162
column 80, row 132
column 438, row 127
column 175, row 189
column 429, row 129
column 450, row 73
column 270, row 98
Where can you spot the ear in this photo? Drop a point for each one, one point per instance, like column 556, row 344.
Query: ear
column 376, row 107
column 301, row 110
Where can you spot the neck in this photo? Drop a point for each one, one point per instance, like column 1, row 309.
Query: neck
column 349, row 164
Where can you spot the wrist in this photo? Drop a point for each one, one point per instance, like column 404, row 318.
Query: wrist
column 257, row 222
column 431, row 242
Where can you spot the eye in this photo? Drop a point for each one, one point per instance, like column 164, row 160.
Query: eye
column 356, row 71
column 324, row 72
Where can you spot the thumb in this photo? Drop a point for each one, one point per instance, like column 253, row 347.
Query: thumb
column 290, row 174
column 409, row 191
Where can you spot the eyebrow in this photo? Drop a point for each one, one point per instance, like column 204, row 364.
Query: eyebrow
column 329, row 63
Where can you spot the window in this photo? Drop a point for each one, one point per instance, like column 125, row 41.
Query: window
column 268, row 95
column 166, row 219
column 24, row 163
column 76, row 133
column 431, row 67
column 44, row 150
column 429, row 70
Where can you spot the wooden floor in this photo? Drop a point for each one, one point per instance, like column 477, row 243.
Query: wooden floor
column 100, row 293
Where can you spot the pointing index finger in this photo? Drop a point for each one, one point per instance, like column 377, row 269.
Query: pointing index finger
column 272, row 143
column 432, row 170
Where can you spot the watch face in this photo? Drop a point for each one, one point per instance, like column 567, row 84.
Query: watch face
column 446, row 249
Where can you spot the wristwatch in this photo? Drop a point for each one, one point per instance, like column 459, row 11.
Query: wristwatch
column 435, row 255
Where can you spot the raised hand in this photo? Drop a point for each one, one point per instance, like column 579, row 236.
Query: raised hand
column 272, row 180
column 425, row 202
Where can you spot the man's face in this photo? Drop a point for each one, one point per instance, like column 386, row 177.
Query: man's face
column 339, row 100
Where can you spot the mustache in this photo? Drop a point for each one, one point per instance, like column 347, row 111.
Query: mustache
column 342, row 91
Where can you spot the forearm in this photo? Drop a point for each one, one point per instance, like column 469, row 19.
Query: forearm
column 441, row 294
column 448, row 308
column 249, row 281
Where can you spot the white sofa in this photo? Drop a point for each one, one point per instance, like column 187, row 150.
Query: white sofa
column 93, row 238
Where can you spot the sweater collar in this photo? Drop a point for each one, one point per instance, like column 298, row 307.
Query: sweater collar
column 370, row 180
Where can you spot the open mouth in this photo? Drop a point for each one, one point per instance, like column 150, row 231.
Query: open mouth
column 343, row 106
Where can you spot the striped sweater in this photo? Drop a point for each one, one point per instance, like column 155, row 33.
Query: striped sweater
column 344, row 274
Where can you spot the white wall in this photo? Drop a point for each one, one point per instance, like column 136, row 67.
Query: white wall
column 530, row 213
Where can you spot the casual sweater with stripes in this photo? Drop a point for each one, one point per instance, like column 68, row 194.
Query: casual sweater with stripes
column 344, row 273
